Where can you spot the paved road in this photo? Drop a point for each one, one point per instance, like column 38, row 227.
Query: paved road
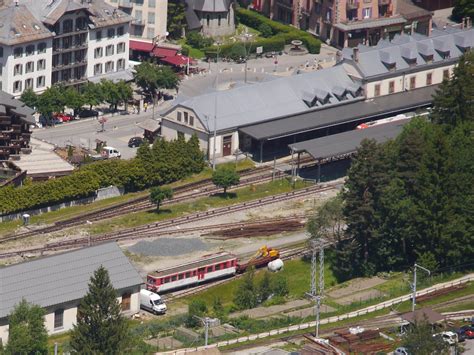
column 118, row 130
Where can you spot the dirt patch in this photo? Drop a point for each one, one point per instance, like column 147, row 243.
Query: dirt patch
column 359, row 297
column 310, row 311
column 355, row 286
column 261, row 312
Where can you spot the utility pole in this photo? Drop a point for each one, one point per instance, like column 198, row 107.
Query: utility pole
column 414, row 284
column 317, row 279
column 247, row 53
column 206, row 322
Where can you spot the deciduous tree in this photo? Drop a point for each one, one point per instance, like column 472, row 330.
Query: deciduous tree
column 29, row 97
column 463, row 8
column 159, row 194
column 419, row 340
column 225, row 177
column 100, row 328
column 152, row 78
column 27, row 333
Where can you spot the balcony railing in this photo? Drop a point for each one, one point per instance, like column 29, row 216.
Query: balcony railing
column 71, row 33
column 138, row 22
column 74, row 47
column 61, row 66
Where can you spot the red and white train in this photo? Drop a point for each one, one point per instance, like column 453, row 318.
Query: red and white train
column 210, row 267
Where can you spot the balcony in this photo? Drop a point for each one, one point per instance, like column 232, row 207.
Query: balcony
column 75, row 47
column 61, row 66
column 352, row 4
column 138, row 22
column 71, row 33
column 125, row 4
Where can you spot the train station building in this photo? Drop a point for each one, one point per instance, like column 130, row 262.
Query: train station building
column 57, row 283
column 367, row 83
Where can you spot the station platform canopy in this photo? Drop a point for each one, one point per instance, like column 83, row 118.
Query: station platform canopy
column 345, row 143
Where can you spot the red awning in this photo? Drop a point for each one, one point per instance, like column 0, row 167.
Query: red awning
column 141, row 46
column 164, row 52
column 177, row 60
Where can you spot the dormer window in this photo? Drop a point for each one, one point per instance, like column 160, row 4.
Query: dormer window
column 390, row 66
column 444, row 55
column 428, row 58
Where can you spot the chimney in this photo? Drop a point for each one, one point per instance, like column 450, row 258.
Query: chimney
column 355, row 54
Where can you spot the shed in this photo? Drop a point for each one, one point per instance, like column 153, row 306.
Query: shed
column 432, row 317
column 151, row 129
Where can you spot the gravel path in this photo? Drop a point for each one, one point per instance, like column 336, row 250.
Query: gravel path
column 168, row 246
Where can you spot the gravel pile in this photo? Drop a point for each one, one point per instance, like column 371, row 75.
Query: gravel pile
column 168, row 247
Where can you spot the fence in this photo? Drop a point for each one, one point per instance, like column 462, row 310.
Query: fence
column 333, row 319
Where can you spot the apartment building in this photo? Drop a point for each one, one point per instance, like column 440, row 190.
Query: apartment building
column 346, row 23
column 59, row 41
column 149, row 17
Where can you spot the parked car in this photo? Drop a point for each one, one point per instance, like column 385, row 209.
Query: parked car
column 450, row 338
column 135, row 142
column 401, row 351
column 468, row 331
column 461, row 334
column 270, row 54
column 88, row 113
column 107, row 153
column 63, row 117
column 152, row 302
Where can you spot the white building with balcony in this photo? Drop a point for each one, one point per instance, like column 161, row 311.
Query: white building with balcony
column 45, row 42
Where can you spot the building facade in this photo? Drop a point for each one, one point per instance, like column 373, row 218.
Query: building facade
column 212, row 18
column 346, row 23
column 149, row 17
column 63, row 42
column 15, row 133
column 57, row 283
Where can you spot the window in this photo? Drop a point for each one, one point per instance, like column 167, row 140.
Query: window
column 17, row 86
column 1, row 52
column 41, row 64
column 173, row 278
column 218, row 267
column 121, row 47
column 97, row 69
column 58, row 318
column 42, row 47
column 186, row 117
column 209, row 269
column 111, row 32
column 121, row 64
column 413, row 82
column 377, row 90
column 167, row 279
column 40, row 81
column 208, row 20
column 150, row 32
column 30, row 50
column 67, row 42
column 98, row 35
column 180, row 135
column 67, row 26
column 179, row 116
column 218, row 20
column 18, row 52
column 151, row 18
column 181, row 276
column 98, row 52
column 126, row 298
column 429, row 78
column 138, row 15
column 367, row 12
column 109, row 50
column 109, row 66
column 188, row 274
column 30, row 67
column 191, row 120
column 151, row 3
column 81, row 23
column 29, row 84
column 18, row 69
column 120, row 31
column 391, row 87
column 446, row 74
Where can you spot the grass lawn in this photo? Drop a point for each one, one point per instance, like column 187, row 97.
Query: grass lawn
column 237, row 196
column 69, row 212
column 297, row 273
column 193, row 52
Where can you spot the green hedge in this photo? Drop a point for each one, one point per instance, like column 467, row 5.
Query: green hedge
column 165, row 162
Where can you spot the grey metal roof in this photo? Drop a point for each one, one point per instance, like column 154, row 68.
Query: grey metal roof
column 268, row 100
column 410, row 11
column 116, row 76
column 211, row 5
column 191, row 18
column 417, row 46
column 371, row 23
column 347, row 142
column 149, row 124
column 61, row 278
column 17, row 107
column 349, row 112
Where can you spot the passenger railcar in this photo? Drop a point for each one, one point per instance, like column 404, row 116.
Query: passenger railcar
column 209, row 267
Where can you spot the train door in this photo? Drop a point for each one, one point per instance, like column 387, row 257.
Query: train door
column 201, row 273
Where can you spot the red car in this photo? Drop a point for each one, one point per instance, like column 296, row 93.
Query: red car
column 468, row 331
column 62, row 117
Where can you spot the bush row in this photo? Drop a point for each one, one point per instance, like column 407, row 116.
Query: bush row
column 165, row 162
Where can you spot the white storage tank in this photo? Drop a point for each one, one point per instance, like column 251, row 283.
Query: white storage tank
column 275, row 265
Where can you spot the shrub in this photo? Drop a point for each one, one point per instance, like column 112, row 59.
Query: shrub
column 197, row 40
column 237, row 51
column 279, row 286
column 185, row 50
column 265, row 30
column 197, row 308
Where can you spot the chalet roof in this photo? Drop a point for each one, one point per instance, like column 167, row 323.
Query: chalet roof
column 17, row 107
column 441, row 48
column 61, row 278
column 420, row 315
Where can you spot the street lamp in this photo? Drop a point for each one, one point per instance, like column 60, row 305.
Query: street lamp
column 414, row 284
column 215, row 108
column 247, row 53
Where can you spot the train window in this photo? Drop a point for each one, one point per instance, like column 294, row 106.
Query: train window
column 218, row 266
column 209, row 269
column 194, row 273
column 188, row 274
column 181, row 276
column 173, row 278
column 201, row 269
column 167, row 279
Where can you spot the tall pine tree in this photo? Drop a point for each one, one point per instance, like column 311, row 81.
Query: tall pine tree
column 100, row 328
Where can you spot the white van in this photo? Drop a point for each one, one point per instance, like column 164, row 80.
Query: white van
column 152, row 302
column 110, row 153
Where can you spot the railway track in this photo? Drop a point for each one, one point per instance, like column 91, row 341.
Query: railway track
column 184, row 193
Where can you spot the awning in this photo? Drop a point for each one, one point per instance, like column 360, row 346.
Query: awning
column 164, row 52
column 141, row 46
column 149, row 124
column 177, row 60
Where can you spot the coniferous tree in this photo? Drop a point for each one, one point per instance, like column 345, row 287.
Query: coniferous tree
column 27, row 333
column 100, row 328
